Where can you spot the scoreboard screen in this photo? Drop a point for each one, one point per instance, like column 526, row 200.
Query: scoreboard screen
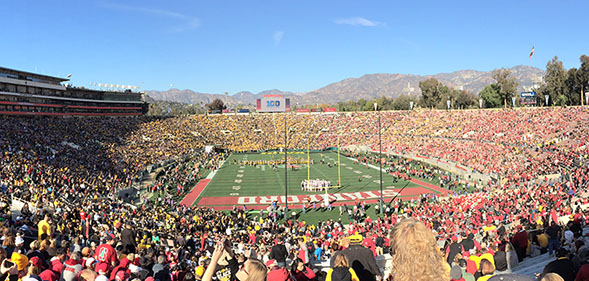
column 273, row 103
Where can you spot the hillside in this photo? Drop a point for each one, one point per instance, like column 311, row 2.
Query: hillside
column 368, row 86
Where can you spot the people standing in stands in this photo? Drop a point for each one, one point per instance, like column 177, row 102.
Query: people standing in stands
column 511, row 256
column 554, row 233
column 279, row 252
column 520, row 242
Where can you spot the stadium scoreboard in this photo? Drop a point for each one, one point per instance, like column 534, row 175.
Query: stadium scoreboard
column 273, row 103
column 528, row 98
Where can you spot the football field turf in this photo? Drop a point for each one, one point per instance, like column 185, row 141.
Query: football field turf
column 258, row 185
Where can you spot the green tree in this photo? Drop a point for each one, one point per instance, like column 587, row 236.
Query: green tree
column 506, row 83
column 403, row 102
column 561, row 100
column 216, row 104
column 384, row 103
column 582, row 76
column 490, row 96
column 555, row 77
column 572, row 90
column 432, row 92
column 462, row 99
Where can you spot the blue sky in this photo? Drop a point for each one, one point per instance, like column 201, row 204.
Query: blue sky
column 299, row 46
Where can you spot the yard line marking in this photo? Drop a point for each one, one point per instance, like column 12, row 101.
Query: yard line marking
column 239, row 175
column 357, row 172
column 238, row 181
column 236, row 187
column 240, row 171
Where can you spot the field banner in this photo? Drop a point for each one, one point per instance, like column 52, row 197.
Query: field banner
column 330, row 109
column 302, row 110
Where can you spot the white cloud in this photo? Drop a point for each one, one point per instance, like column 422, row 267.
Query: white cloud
column 277, row 36
column 358, row 21
column 187, row 22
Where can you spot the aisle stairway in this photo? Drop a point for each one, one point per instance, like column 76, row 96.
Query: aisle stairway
column 532, row 266
column 535, row 265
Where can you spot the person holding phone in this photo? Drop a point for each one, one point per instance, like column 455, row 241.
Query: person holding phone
column 300, row 272
column 251, row 270
column 10, row 269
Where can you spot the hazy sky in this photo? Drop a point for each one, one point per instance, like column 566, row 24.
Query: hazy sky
column 231, row 46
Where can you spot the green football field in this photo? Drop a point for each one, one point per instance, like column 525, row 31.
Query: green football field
column 233, row 179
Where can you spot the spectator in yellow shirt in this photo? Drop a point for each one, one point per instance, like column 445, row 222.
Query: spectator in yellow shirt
column 44, row 226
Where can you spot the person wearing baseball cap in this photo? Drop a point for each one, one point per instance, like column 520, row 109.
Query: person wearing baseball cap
column 102, row 269
column 360, row 258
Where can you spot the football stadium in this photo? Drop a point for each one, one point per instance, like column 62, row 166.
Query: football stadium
column 396, row 149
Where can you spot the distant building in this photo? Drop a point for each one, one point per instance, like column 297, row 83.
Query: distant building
column 26, row 93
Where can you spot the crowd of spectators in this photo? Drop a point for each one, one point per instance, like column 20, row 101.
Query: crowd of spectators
column 76, row 229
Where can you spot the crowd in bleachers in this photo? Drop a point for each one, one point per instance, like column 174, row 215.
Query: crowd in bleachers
column 77, row 230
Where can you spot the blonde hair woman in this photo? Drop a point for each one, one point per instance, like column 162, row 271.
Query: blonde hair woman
column 341, row 270
column 552, row 277
column 416, row 256
column 487, row 270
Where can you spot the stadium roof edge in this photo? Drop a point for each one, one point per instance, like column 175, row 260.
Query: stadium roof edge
column 15, row 71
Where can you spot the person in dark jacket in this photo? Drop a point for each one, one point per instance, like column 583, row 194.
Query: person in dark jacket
column 454, row 249
column 341, row 270
column 500, row 258
column 279, row 252
column 128, row 239
column 562, row 266
column 468, row 243
column 361, row 259
column 553, row 232
column 520, row 242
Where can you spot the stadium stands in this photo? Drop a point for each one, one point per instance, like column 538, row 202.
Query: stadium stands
column 70, row 168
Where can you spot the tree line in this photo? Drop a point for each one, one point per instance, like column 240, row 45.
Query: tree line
column 563, row 86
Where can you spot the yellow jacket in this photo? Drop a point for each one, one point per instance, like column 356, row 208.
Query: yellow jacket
column 352, row 272
column 485, row 277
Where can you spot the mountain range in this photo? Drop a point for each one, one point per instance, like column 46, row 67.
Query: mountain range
column 368, row 87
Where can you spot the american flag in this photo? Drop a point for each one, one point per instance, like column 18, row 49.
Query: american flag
column 532, row 52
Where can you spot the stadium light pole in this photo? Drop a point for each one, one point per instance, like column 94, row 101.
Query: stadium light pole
column 380, row 154
column 285, row 170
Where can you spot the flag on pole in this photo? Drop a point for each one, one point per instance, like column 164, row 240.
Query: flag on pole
column 532, row 52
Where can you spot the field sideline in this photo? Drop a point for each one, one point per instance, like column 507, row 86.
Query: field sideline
column 256, row 186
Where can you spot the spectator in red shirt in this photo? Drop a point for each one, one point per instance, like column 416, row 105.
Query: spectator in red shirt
column 105, row 253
